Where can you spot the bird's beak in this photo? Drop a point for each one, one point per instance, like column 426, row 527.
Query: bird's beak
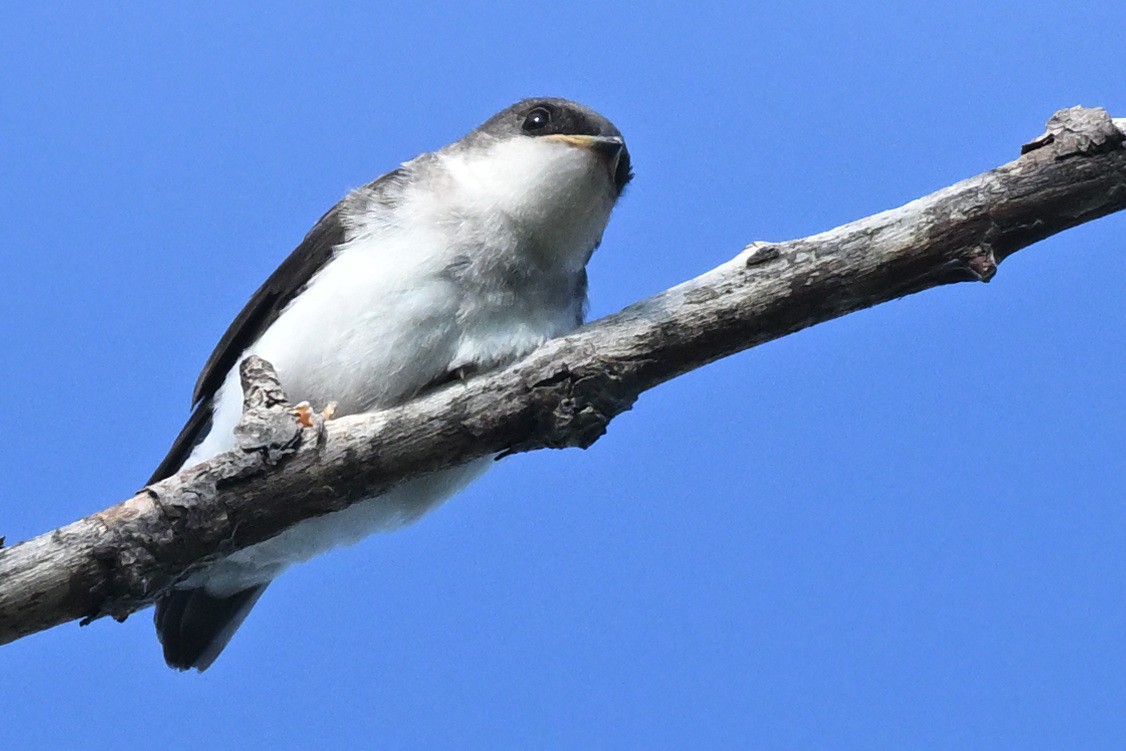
column 607, row 148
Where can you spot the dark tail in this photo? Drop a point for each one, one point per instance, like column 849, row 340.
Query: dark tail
column 195, row 626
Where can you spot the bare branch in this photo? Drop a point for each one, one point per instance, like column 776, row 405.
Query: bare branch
column 563, row 394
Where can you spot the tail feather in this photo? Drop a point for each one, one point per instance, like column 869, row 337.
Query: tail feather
column 194, row 626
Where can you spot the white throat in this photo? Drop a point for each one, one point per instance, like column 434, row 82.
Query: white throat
column 555, row 197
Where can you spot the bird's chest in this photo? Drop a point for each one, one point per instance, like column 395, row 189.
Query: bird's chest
column 501, row 318
column 388, row 316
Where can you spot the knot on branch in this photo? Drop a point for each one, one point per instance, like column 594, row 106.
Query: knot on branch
column 123, row 561
column 267, row 425
column 572, row 407
column 1077, row 131
column 758, row 253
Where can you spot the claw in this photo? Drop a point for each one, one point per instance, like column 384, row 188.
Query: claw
column 304, row 414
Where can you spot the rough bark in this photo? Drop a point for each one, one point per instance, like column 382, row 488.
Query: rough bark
column 563, row 394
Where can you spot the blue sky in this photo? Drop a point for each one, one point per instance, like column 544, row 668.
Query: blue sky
column 903, row 528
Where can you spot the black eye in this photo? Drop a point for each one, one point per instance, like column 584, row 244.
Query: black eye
column 536, row 119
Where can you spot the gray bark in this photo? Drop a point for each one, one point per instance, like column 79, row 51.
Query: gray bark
column 563, row 394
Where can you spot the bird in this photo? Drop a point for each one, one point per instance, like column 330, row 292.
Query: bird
column 458, row 261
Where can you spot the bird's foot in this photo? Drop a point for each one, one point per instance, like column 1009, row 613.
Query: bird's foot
column 308, row 418
column 304, row 414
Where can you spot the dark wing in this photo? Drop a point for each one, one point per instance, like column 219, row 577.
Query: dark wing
column 270, row 300
column 263, row 309
column 193, row 625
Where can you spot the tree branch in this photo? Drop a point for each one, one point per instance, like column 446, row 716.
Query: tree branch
column 563, row 394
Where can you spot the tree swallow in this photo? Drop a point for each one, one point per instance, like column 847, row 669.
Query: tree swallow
column 460, row 260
